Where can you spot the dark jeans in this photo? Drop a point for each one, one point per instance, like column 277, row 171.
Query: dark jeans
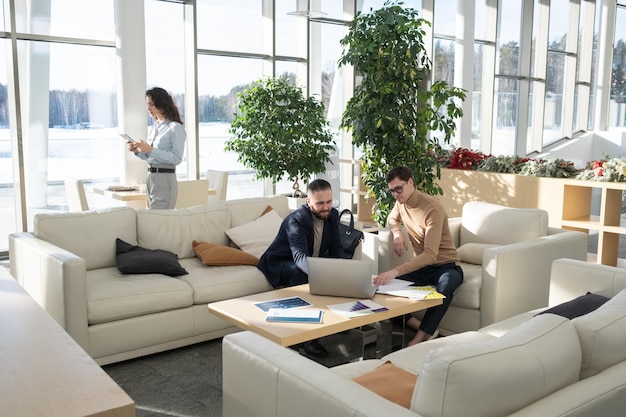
column 446, row 278
column 291, row 275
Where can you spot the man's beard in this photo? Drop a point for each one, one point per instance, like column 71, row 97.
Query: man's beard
column 320, row 215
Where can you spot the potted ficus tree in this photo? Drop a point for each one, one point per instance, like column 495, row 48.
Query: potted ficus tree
column 279, row 132
column 394, row 115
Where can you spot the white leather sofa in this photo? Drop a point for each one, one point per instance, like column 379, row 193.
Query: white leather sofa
column 68, row 265
column 525, row 366
column 506, row 255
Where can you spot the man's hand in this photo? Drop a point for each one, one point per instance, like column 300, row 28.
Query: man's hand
column 399, row 245
column 385, row 277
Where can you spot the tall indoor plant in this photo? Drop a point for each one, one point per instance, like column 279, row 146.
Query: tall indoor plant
column 393, row 112
column 277, row 131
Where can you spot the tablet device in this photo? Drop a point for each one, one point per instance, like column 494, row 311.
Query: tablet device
column 127, row 138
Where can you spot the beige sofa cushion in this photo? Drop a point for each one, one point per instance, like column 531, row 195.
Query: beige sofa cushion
column 216, row 283
column 467, row 295
column 499, row 225
column 90, row 235
column 473, row 252
column 175, row 230
column 540, row 357
column 602, row 334
column 113, row 296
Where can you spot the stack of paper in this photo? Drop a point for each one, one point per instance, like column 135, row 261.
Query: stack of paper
column 393, row 285
column 415, row 293
column 294, row 315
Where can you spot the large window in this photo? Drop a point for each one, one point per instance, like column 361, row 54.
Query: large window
column 507, row 70
column 539, row 74
column 165, row 58
column 67, row 101
column 617, row 107
column 91, row 19
column 221, row 79
column 7, row 156
column 231, row 25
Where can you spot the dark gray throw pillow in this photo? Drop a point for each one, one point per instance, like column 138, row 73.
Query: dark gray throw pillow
column 578, row 306
column 137, row 260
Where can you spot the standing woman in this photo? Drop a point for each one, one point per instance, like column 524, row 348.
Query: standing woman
column 163, row 149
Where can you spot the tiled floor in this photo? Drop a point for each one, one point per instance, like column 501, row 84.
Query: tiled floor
column 187, row 381
column 180, row 382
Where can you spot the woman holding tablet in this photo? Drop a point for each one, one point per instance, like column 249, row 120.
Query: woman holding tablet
column 163, row 149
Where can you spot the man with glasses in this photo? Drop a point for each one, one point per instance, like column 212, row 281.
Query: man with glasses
column 435, row 261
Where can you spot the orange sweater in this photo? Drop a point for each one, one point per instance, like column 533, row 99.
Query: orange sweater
column 426, row 222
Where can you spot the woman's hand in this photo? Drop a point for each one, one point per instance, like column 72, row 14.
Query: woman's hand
column 141, row 146
column 132, row 146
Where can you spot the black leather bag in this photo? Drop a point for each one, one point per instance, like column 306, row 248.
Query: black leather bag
column 350, row 237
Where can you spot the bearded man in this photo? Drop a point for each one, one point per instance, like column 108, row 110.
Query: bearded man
column 311, row 230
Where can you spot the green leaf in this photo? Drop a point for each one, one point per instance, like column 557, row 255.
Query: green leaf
column 279, row 132
column 391, row 117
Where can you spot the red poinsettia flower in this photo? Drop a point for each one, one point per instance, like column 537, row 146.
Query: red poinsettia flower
column 463, row 158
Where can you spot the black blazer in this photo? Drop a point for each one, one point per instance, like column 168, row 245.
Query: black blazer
column 294, row 242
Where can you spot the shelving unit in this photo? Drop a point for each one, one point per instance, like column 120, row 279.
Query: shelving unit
column 577, row 215
column 571, row 204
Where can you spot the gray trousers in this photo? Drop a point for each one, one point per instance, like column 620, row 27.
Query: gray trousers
column 162, row 190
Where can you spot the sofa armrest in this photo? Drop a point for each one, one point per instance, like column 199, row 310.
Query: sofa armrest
column 454, row 223
column 571, row 278
column 55, row 278
column 264, row 379
column 368, row 250
column 516, row 277
column 387, row 259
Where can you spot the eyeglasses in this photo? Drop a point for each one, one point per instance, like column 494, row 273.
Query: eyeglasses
column 398, row 189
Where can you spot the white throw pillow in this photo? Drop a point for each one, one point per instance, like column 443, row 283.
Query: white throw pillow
column 602, row 333
column 256, row 236
column 473, row 252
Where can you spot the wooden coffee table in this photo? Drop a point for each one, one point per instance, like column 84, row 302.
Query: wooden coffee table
column 244, row 314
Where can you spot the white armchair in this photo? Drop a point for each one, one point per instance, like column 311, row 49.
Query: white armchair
column 506, row 256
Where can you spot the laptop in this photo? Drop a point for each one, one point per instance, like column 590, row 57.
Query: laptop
column 341, row 277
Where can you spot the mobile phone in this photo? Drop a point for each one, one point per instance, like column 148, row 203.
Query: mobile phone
column 127, row 138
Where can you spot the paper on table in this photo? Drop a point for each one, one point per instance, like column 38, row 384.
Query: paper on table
column 294, row 315
column 357, row 308
column 417, row 293
column 283, row 303
column 394, row 284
